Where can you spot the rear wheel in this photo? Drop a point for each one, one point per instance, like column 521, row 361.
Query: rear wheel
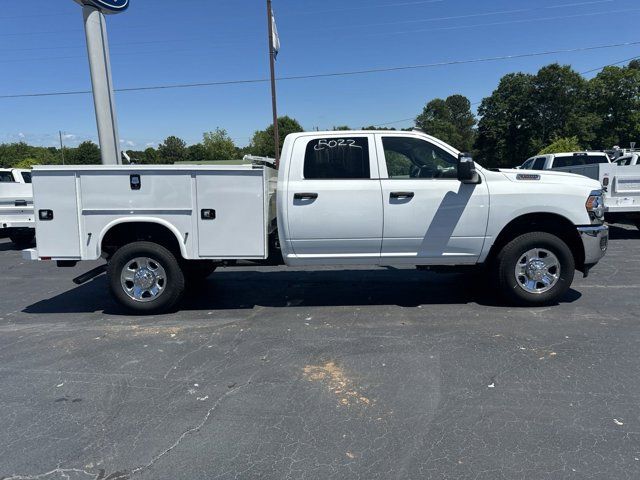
column 146, row 277
column 22, row 239
column 535, row 269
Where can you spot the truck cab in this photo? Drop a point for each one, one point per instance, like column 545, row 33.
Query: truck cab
column 565, row 161
column 338, row 198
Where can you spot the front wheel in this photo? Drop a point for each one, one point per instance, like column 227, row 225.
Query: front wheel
column 146, row 277
column 535, row 269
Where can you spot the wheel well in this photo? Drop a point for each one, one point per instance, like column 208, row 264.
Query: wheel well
column 542, row 222
column 129, row 232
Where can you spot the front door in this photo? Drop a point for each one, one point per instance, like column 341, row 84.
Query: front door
column 429, row 216
column 334, row 202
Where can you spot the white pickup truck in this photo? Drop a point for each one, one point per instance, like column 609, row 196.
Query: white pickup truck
column 16, row 206
column 620, row 180
column 339, row 198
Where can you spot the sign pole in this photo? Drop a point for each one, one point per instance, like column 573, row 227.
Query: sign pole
column 103, row 98
column 272, row 66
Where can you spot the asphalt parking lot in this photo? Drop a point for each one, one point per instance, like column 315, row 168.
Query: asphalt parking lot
column 279, row 373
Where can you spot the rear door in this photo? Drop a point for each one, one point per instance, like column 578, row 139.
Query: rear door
column 334, row 203
column 429, row 216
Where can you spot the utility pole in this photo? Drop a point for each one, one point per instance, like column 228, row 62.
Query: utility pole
column 272, row 66
column 61, row 146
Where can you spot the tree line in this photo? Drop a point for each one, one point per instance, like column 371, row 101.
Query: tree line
column 556, row 109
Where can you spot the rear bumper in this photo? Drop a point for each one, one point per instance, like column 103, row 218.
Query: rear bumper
column 595, row 240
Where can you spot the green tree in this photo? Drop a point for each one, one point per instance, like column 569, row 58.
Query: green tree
column 172, row 150
column 450, row 120
column 87, row 153
column 197, row 153
column 340, row 128
column 219, row 145
column 562, row 145
column 263, row 143
column 559, row 99
column 505, row 133
column 614, row 98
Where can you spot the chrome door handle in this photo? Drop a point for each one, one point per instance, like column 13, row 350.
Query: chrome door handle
column 402, row 194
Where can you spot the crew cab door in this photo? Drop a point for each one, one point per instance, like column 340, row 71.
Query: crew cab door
column 430, row 217
column 334, row 202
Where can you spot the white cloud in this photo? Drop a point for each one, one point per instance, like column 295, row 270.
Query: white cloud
column 69, row 136
column 131, row 143
column 21, row 135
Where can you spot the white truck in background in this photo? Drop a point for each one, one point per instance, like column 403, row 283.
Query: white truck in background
column 338, row 198
column 620, row 179
column 16, row 206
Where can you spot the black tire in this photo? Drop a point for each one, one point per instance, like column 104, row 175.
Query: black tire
column 22, row 239
column 197, row 270
column 509, row 257
column 173, row 285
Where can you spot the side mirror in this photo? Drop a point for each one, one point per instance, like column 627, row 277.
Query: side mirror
column 467, row 169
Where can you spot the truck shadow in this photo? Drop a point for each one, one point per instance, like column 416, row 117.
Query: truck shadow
column 231, row 289
column 619, row 232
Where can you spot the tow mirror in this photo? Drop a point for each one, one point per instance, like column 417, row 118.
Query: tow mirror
column 467, row 169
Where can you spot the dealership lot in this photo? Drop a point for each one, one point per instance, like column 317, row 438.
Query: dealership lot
column 283, row 373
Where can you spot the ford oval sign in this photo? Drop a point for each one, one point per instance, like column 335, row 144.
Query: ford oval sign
column 107, row 6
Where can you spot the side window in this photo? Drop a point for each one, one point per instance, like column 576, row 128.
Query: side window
column 538, row 164
column 6, row 177
column 26, row 176
column 337, row 158
column 409, row 157
column 527, row 165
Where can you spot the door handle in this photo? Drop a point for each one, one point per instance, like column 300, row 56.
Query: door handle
column 208, row 214
column 305, row 196
column 402, row 194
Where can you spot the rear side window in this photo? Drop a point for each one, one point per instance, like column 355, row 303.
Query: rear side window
column 6, row 177
column 26, row 176
column 538, row 164
column 337, row 158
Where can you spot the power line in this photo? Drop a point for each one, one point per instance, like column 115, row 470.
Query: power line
column 334, row 74
column 484, row 14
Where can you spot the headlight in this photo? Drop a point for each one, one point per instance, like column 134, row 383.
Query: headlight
column 595, row 205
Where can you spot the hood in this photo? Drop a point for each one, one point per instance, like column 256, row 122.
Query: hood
column 551, row 177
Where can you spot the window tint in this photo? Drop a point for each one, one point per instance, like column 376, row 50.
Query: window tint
column 6, row 177
column 539, row 163
column 409, row 157
column 573, row 160
column 26, row 176
column 527, row 165
column 335, row 158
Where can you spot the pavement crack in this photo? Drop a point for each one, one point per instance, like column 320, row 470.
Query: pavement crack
column 192, row 429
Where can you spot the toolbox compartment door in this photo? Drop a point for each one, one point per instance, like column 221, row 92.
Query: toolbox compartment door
column 231, row 210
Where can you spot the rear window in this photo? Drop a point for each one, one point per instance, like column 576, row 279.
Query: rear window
column 574, row 160
column 337, row 158
column 6, row 177
column 26, row 176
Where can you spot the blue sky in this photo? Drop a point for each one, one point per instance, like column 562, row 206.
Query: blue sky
column 42, row 49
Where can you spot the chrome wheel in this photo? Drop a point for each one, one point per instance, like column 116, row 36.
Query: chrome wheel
column 537, row 271
column 143, row 279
